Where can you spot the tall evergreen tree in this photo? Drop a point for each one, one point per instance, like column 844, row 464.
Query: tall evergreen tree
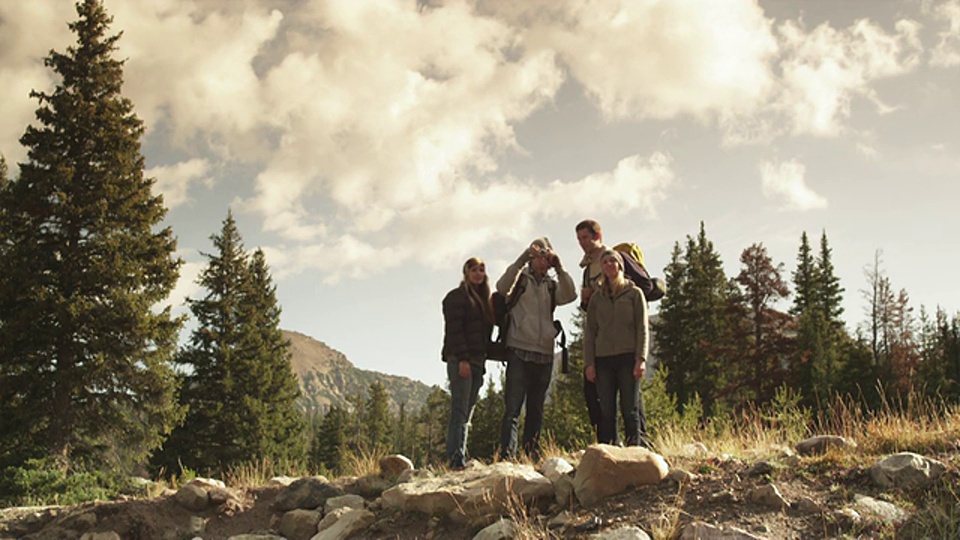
column 377, row 419
column 766, row 344
column 238, row 384
column 432, row 428
column 272, row 388
column 86, row 357
column 327, row 448
column 805, row 278
column 829, row 298
column 673, row 348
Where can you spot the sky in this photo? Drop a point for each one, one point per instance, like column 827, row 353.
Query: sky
column 369, row 147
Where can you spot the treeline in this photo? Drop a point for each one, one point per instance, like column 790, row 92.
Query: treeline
column 726, row 341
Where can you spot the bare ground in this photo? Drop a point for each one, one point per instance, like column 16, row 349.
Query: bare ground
column 717, row 497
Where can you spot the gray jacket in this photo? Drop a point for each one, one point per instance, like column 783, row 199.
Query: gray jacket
column 531, row 319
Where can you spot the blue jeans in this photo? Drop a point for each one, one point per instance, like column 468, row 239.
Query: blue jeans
column 463, row 398
column 526, row 381
column 615, row 377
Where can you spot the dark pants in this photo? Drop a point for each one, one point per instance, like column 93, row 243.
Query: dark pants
column 615, row 378
column 593, row 405
column 526, row 381
column 464, row 392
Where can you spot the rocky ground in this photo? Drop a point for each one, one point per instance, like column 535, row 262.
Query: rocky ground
column 818, row 498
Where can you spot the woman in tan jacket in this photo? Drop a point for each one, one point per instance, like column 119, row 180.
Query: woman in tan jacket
column 615, row 344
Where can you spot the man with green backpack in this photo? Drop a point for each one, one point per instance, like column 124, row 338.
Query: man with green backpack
column 590, row 238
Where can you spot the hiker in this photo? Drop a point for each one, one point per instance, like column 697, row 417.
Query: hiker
column 590, row 238
column 532, row 296
column 467, row 325
column 615, row 343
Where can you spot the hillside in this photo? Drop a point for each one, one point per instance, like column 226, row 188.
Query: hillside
column 327, row 378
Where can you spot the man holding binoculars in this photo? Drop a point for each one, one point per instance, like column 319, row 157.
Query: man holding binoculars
column 533, row 295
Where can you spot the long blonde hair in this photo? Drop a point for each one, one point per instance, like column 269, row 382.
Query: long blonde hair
column 615, row 286
column 478, row 294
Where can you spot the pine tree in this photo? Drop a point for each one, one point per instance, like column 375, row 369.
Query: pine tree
column 823, row 349
column 672, row 347
column 432, row 428
column 486, row 421
column 830, row 294
column 238, row 387
column 331, row 440
column 766, row 348
column 272, row 389
column 86, row 358
column 805, row 278
column 377, row 419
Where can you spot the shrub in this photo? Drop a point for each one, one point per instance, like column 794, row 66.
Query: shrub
column 40, row 481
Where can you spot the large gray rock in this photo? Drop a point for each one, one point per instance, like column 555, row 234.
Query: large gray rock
column 906, row 469
column 306, row 493
column 349, row 522
column 192, row 497
column 478, row 490
column 344, row 501
column 879, row 510
column 299, row 524
column 606, row 470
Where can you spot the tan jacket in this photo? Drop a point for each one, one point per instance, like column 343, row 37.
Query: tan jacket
column 616, row 325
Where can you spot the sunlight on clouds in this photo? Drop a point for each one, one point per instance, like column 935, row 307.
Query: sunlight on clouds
column 947, row 51
column 192, row 70
column 21, row 48
column 173, row 181
column 439, row 233
column 657, row 59
column 824, row 69
column 785, row 183
column 389, row 110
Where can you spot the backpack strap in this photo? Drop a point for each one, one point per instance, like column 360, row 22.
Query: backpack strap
column 565, row 354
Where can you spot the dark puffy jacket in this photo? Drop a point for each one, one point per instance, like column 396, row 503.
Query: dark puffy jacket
column 466, row 333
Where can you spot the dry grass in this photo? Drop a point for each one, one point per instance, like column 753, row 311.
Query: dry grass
column 258, row 473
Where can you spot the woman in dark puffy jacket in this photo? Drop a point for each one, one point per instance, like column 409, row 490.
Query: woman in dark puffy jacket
column 467, row 324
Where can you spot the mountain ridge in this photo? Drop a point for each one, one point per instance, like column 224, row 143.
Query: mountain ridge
column 327, row 378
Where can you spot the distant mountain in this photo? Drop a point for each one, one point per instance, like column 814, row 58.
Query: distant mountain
column 327, row 378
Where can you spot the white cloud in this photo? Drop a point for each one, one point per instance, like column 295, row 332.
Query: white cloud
column 785, row 182
column 22, row 47
column 651, row 59
column 947, row 51
column 823, row 70
column 174, row 181
column 435, row 233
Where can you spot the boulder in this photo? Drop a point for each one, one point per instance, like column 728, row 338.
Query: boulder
column 699, row 530
column 626, row 532
column 606, row 470
column 306, row 493
column 299, row 524
column 350, row 501
column 348, row 522
column 768, row 496
column 192, row 497
column 393, row 465
column 879, row 510
column 906, row 469
column 478, row 490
